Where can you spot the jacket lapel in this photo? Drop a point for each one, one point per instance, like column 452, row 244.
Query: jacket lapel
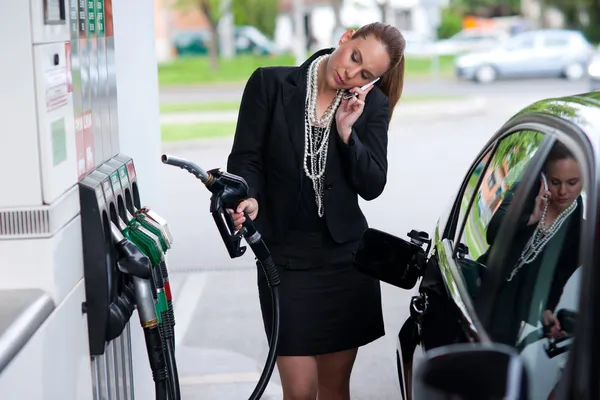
column 294, row 97
column 294, row 100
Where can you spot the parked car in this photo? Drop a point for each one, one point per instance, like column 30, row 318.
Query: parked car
column 536, row 53
column 472, row 39
column 502, row 291
column 248, row 39
column 594, row 72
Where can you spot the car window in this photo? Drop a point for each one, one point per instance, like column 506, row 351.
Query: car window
column 535, row 309
column 497, row 184
column 556, row 41
column 521, row 42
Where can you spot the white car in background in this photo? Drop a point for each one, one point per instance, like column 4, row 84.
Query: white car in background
column 473, row 39
column 594, row 71
column 537, row 53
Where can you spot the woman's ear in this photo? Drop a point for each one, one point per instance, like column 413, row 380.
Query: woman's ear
column 346, row 36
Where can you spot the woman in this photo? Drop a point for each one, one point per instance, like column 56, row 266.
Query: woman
column 545, row 249
column 307, row 154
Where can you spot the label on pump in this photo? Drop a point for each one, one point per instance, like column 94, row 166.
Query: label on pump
column 88, row 137
column 82, row 24
column 91, row 13
column 56, row 87
column 68, row 67
column 114, row 180
column 131, row 170
column 100, row 17
column 80, row 146
column 107, row 190
column 123, row 176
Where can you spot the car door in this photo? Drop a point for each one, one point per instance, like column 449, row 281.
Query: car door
column 519, row 284
column 519, row 55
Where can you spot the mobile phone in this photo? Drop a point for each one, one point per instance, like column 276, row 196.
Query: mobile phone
column 365, row 87
column 545, row 181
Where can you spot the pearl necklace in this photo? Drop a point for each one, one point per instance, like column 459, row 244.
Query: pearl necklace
column 540, row 237
column 316, row 133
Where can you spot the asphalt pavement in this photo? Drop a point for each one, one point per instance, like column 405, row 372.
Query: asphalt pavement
column 220, row 340
column 412, row 87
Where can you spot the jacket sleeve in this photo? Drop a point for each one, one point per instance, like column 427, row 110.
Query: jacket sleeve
column 246, row 157
column 365, row 155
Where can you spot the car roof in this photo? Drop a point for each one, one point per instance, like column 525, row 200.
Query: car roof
column 581, row 110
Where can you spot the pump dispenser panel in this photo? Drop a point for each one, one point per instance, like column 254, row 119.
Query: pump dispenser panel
column 105, row 195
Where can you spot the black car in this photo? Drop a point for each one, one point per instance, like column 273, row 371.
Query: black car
column 506, row 305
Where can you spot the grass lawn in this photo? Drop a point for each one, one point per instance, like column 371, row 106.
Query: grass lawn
column 203, row 106
column 176, row 132
column 193, row 70
column 206, row 106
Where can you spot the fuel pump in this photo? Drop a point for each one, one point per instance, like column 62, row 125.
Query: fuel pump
column 227, row 192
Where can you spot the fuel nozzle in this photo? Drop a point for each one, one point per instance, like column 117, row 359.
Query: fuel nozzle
column 133, row 262
column 228, row 191
column 159, row 227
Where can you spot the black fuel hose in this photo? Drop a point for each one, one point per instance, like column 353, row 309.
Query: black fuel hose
column 223, row 184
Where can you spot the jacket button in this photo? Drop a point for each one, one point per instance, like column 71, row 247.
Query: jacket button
column 329, row 186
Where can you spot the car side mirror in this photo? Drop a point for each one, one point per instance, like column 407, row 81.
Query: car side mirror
column 391, row 259
column 472, row 372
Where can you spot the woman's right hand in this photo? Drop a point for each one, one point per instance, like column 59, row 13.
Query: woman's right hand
column 550, row 321
column 249, row 205
column 540, row 203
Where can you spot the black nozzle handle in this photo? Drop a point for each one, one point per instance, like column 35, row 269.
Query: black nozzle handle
column 187, row 165
column 116, row 233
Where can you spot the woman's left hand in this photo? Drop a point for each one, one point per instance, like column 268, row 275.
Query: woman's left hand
column 349, row 111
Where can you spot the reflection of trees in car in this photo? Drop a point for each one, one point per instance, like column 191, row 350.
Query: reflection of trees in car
column 508, row 162
column 492, row 190
column 558, row 107
column 510, row 159
column 515, row 149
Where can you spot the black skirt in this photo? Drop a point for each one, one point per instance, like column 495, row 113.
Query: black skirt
column 326, row 305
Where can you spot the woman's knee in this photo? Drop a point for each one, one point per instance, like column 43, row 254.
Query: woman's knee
column 299, row 377
column 334, row 372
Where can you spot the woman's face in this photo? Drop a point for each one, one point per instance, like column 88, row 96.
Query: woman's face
column 356, row 62
column 564, row 182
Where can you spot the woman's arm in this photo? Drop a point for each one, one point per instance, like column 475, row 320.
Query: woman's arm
column 365, row 155
column 246, row 157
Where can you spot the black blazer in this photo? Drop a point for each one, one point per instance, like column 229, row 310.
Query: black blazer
column 268, row 152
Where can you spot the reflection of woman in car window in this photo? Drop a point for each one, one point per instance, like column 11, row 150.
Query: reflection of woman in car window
column 550, row 226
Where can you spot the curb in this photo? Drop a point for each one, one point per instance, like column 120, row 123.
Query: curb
column 428, row 109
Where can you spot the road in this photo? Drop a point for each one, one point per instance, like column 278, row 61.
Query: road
column 221, row 344
column 414, row 87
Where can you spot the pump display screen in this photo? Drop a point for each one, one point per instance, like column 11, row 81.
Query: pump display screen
column 54, row 12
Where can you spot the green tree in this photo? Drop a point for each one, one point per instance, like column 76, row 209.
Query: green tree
column 487, row 8
column 213, row 12
column 573, row 8
column 262, row 14
column 450, row 24
column 516, row 148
